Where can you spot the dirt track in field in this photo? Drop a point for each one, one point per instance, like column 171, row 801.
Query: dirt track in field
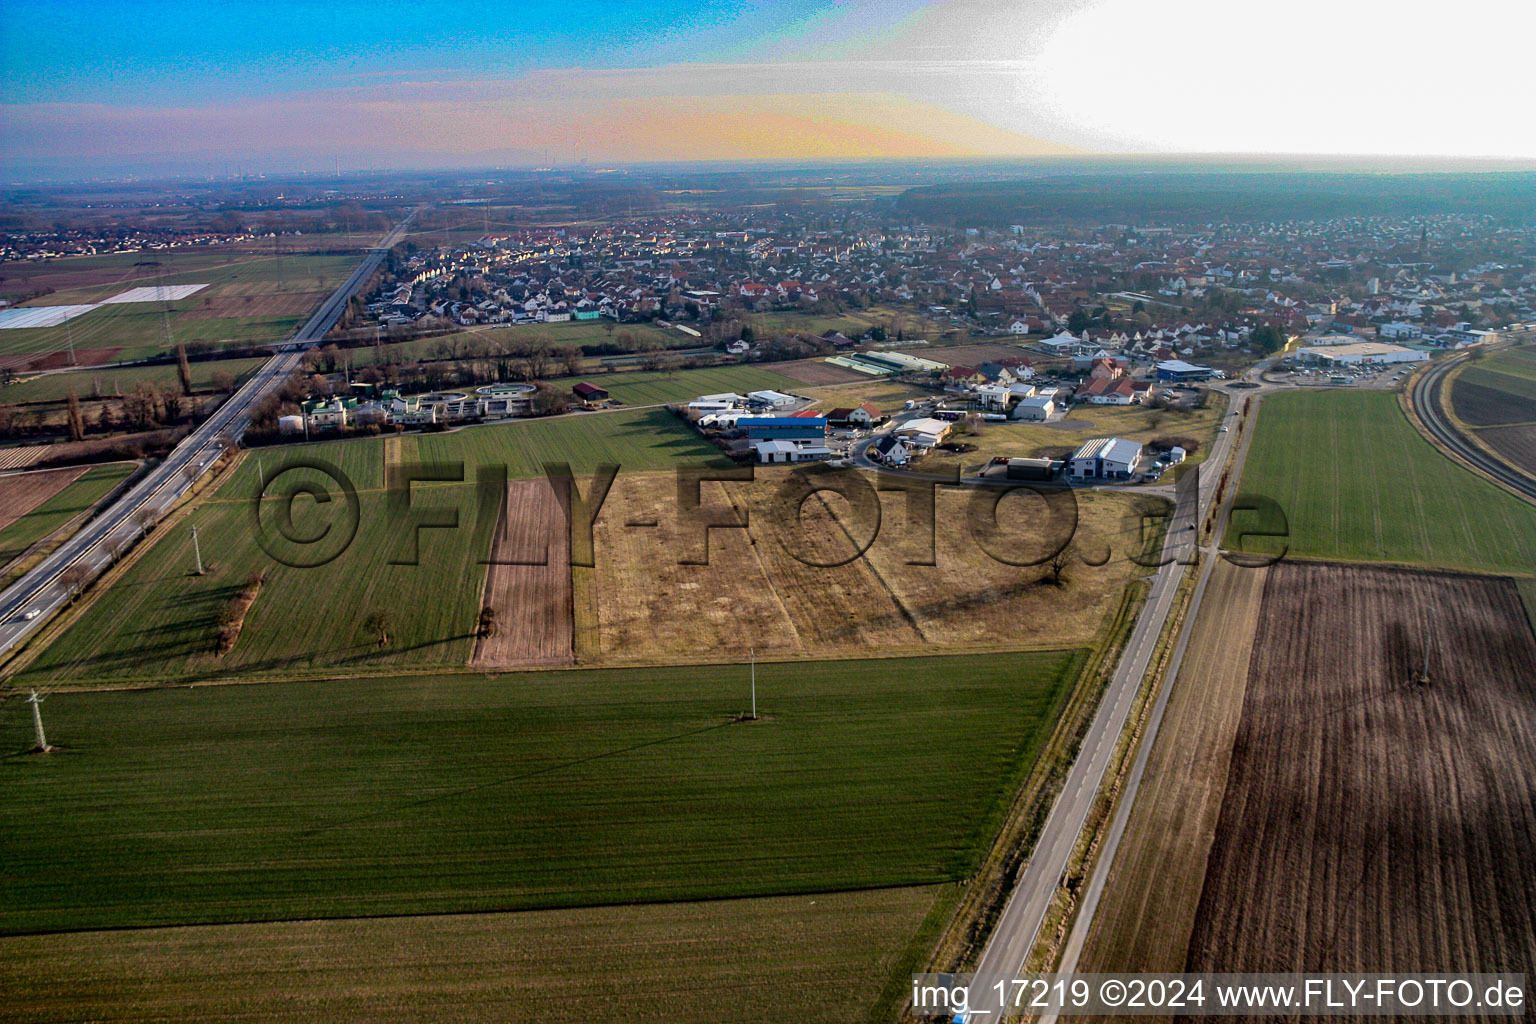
column 1371, row 823
column 23, row 492
column 532, row 601
column 1144, row 921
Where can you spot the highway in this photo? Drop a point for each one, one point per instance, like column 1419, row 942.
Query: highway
column 1426, row 405
column 1015, row 933
column 45, row 588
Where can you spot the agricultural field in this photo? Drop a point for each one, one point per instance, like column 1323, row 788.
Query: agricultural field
column 1363, row 827
column 657, row 387
column 478, row 342
column 975, row 354
column 1495, row 399
column 478, row 792
column 773, row 582
column 88, row 384
column 677, row 963
column 35, row 505
column 851, row 324
column 886, row 395
column 249, row 299
column 1059, row 438
column 1357, row 482
column 159, row 621
column 1147, row 911
column 817, row 372
column 20, row 493
column 528, row 584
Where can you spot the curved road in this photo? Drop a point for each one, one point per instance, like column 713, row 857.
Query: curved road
column 1426, row 405
column 50, row 584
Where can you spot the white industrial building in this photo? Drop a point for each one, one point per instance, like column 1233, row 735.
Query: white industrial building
column 1361, row 353
column 1039, row 407
column 1105, row 458
column 777, row 450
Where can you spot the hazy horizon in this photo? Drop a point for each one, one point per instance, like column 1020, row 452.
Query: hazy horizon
column 105, row 89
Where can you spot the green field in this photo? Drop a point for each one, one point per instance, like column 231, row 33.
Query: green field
column 656, row 388
column 479, row 792
column 138, row 329
column 72, row 501
column 669, row 963
column 1358, row 482
column 852, row 324
column 482, row 341
column 159, row 621
column 55, row 387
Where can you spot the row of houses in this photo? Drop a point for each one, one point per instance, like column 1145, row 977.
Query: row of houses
column 390, row 408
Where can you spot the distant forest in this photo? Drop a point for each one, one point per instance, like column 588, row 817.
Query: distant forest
column 1149, row 198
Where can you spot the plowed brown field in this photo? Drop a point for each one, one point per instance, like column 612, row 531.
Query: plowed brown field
column 1516, row 444
column 1371, row 822
column 21, row 493
column 532, row 601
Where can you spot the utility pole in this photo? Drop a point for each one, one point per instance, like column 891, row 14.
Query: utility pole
column 37, row 721
column 752, row 654
column 69, row 335
column 197, row 551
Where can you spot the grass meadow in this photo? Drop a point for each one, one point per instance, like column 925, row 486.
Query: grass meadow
column 88, row 384
column 1358, row 482
column 425, row 794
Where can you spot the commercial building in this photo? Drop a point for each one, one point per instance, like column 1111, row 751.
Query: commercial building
column 1361, row 353
column 1177, row 370
column 1105, row 458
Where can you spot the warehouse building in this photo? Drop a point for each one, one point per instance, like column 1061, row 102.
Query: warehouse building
column 1105, row 458
column 1361, row 353
column 1177, row 370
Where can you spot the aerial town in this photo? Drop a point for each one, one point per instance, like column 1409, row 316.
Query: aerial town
column 900, row 512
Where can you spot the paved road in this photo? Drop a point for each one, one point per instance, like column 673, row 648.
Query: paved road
column 1016, row 931
column 1426, row 404
column 45, row 588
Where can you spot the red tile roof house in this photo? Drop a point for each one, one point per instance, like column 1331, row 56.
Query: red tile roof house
column 861, row 415
column 1107, row 369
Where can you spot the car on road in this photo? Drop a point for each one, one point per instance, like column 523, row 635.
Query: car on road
column 30, row 614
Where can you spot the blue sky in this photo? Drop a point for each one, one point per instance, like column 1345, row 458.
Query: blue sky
column 116, row 87
column 161, row 53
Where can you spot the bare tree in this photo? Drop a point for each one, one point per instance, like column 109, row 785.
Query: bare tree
column 144, row 517
column 75, row 578
column 1056, row 566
